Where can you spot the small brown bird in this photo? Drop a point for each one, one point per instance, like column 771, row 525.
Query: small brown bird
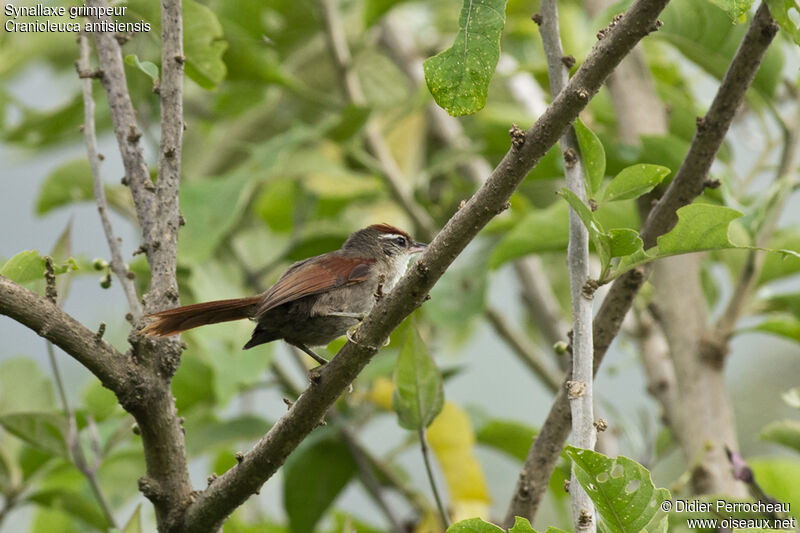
column 316, row 300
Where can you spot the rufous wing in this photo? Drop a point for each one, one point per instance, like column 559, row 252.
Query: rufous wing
column 314, row 276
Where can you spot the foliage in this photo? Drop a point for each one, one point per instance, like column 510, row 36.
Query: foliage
column 277, row 167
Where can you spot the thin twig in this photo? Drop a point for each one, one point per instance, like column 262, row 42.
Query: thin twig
column 540, row 299
column 90, row 139
column 524, row 350
column 688, row 183
column 423, row 442
column 581, row 385
column 785, row 180
column 391, row 173
column 73, row 442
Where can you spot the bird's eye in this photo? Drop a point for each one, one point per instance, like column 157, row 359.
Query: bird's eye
column 401, row 241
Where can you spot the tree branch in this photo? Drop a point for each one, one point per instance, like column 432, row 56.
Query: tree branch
column 581, row 384
column 167, row 482
column 49, row 321
column 163, row 257
column 688, row 183
column 536, row 291
column 211, row 507
column 90, row 139
column 125, row 128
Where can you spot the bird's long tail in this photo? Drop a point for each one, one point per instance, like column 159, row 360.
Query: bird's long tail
column 174, row 321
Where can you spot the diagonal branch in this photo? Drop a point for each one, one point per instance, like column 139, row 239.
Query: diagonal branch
column 688, row 183
column 90, row 139
column 49, row 321
column 210, row 508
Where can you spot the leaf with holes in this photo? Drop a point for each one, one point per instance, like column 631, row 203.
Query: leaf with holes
column 458, row 78
column 621, row 489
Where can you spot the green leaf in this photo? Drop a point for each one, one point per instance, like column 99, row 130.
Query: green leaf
column 384, row 85
column 624, row 241
column 203, row 45
column 205, row 433
column 458, row 78
column 350, row 122
column 783, row 326
column 703, row 33
column 276, row 204
column 418, row 396
column 460, row 295
column 211, row 208
column 700, row 227
column 473, row 525
column 134, row 524
column 508, row 436
column 43, row 431
column 735, row 9
column 541, row 230
column 55, row 521
column 634, row 181
column 777, row 266
column 786, row 432
column 145, row 66
column 598, row 236
column 375, row 9
column 39, row 128
column 69, row 183
column 26, row 266
column 100, row 402
column 621, row 489
column 593, row 156
column 314, row 476
column 521, row 525
column 780, row 9
column 74, row 503
column 193, row 384
column 778, row 478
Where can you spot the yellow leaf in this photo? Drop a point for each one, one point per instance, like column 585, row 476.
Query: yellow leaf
column 463, row 509
column 430, row 523
column 452, row 439
column 381, row 393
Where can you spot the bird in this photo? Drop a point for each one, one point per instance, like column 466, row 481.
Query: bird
column 315, row 301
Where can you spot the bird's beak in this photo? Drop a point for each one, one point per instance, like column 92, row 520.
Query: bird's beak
column 417, row 247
